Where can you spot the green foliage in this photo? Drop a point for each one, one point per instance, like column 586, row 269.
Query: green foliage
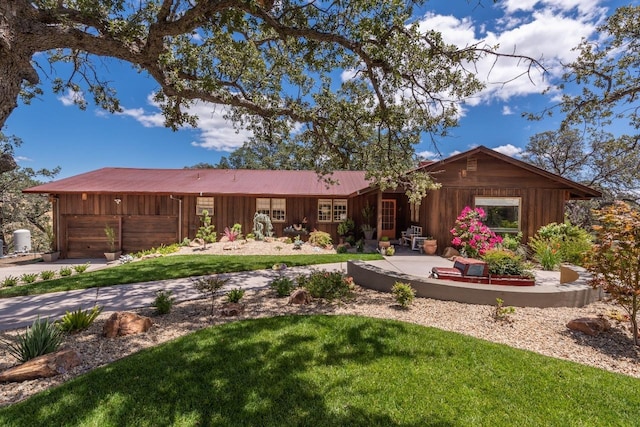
column 341, row 249
column 185, row 242
column 502, row 262
column 235, row 295
column 9, row 281
column 327, row 284
column 403, row 293
column 163, row 302
column 282, row 285
column 209, row 285
column 614, row 261
column 41, row 338
column 161, row 250
column 65, row 271
column 390, row 251
column 360, row 246
column 511, row 242
column 79, row 320
column 111, row 237
column 206, row 232
column 320, row 239
column 47, row 274
column 82, row 267
column 573, row 242
column 262, row 226
column 502, row 313
column 346, row 226
column 29, row 277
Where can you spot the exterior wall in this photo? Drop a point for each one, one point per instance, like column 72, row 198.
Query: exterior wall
column 145, row 221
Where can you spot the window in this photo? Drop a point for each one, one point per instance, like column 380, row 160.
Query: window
column 324, row 210
column 275, row 208
column 332, row 210
column 204, row 203
column 503, row 213
column 339, row 210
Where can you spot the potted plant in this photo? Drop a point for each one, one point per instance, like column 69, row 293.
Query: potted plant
column 112, row 255
column 430, row 245
column 52, row 254
column 368, row 231
column 384, row 242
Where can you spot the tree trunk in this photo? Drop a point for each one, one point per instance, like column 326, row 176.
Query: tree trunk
column 15, row 54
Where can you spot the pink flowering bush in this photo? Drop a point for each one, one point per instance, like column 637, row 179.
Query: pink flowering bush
column 470, row 235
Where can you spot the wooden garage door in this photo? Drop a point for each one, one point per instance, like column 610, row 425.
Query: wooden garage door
column 85, row 237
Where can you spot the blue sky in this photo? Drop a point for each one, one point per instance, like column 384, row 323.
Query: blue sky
column 57, row 133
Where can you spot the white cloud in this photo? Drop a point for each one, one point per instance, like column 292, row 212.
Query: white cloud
column 428, row 155
column 507, row 111
column 215, row 132
column 509, row 150
column 21, row 159
column 71, row 97
column 548, row 33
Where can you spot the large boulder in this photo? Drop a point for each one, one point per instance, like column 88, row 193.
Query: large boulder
column 300, row 296
column 589, row 325
column 45, row 366
column 125, row 323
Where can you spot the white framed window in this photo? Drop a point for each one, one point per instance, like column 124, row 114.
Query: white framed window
column 324, row 210
column 339, row 210
column 332, row 210
column 502, row 213
column 205, row 203
column 275, row 208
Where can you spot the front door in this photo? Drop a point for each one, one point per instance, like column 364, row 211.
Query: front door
column 388, row 218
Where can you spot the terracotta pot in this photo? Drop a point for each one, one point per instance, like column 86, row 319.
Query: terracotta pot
column 430, row 246
column 112, row 256
column 50, row 256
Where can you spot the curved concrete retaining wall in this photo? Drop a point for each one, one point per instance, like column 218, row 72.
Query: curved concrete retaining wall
column 576, row 294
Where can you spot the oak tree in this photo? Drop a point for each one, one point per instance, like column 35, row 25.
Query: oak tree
column 334, row 77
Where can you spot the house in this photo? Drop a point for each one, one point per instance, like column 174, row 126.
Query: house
column 149, row 207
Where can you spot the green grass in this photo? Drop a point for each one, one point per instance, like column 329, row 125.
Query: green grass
column 334, row 371
column 174, row 267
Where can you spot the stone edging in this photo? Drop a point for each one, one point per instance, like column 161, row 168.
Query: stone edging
column 576, row 294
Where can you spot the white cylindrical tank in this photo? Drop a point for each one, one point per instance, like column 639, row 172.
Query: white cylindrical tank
column 22, row 241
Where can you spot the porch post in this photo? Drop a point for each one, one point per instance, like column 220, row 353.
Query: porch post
column 379, row 215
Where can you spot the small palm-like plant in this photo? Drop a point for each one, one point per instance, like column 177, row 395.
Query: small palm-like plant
column 42, row 337
column 76, row 321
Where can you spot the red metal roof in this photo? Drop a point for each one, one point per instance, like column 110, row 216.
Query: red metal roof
column 207, row 182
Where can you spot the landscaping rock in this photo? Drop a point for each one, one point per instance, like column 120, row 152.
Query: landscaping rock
column 589, row 325
column 300, row 296
column 125, row 323
column 450, row 253
column 45, row 366
column 232, row 309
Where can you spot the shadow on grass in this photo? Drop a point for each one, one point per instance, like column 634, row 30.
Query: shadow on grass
column 245, row 373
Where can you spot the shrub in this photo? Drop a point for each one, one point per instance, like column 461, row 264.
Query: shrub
column 573, row 242
column 319, row 238
column 403, row 293
column 511, row 242
column 503, row 262
column 9, row 281
column 207, row 232
column 163, row 302
column 231, row 234
column 81, row 268
column 297, row 243
column 342, row 249
column 47, row 274
column 546, row 251
column 76, row 321
column 29, row 277
column 501, row 312
column 360, row 246
column 235, row 295
column 65, row 271
column 470, row 235
column 390, row 251
column 282, row 285
column 209, row 285
column 327, row 284
column 41, row 338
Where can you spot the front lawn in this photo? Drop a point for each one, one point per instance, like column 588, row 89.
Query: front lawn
column 174, row 267
column 334, row 371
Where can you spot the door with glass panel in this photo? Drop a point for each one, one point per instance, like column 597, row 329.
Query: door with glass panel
column 388, row 219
